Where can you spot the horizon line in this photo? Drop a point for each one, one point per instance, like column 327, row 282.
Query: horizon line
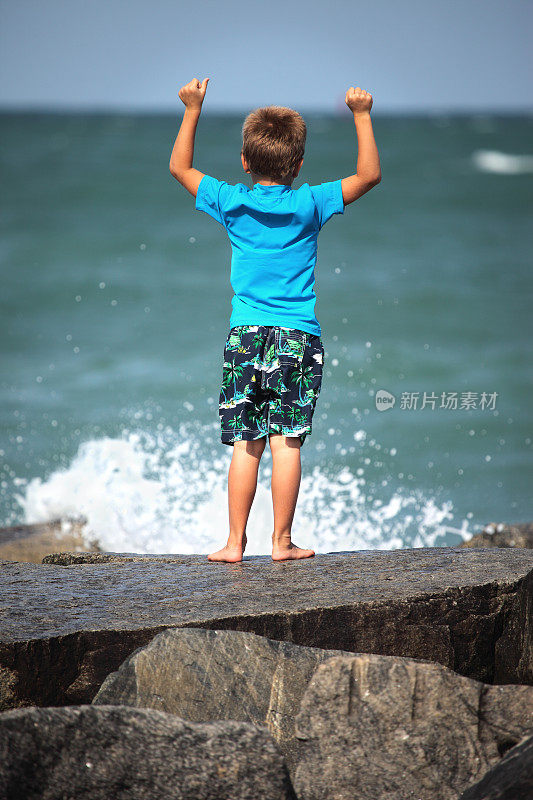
column 234, row 110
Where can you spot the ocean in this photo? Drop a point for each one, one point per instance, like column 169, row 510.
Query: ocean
column 115, row 305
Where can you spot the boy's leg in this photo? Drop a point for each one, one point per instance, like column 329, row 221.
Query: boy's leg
column 242, row 485
column 286, row 476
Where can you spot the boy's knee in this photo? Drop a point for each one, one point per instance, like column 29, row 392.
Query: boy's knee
column 278, row 441
column 254, row 447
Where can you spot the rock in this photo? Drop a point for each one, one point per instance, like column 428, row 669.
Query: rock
column 498, row 534
column 55, row 526
column 63, row 629
column 135, row 754
column 386, row 728
column 510, row 779
column 204, row 675
column 33, row 542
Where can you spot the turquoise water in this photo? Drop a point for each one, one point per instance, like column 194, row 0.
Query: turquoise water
column 115, row 306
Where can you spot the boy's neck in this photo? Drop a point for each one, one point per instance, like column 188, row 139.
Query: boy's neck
column 267, row 181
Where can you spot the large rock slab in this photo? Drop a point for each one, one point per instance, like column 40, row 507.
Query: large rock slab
column 204, row 675
column 135, row 754
column 510, row 779
column 65, row 626
column 385, row 728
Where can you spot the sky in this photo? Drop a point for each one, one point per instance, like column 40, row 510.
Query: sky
column 134, row 55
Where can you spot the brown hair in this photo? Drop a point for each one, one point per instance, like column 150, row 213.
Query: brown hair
column 274, row 142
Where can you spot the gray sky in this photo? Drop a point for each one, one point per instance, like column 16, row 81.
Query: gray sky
column 434, row 55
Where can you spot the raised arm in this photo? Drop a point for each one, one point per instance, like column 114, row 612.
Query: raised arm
column 192, row 95
column 368, row 167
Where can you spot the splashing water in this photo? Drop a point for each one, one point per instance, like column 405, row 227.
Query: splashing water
column 161, row 493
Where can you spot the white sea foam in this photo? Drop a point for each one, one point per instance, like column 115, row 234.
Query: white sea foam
column 161, row 493
column 502, row 163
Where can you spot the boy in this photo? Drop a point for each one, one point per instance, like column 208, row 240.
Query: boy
column 273, row 354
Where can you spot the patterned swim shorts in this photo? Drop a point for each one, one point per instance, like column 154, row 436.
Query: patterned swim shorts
column 271, row 380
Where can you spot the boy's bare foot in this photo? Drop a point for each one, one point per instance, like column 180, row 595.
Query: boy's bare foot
column 283, row 552
column 229, row 553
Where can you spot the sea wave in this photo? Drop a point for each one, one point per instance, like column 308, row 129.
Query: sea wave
column 502, row 163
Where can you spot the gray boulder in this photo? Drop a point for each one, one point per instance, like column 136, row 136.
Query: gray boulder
column 203, row 675
column 387, row 728
column 510, row 779
column 34, row 541
column 499, row 534
column 135, row 754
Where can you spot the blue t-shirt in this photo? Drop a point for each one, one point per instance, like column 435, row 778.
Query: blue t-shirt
column 273, row 232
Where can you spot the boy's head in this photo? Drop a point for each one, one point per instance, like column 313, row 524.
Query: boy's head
column 273, row 143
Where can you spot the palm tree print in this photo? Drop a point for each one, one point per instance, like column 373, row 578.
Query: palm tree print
column 235, row 422
column 292, row 414
column 302, row 376
column 231, row 372
column 256, row 418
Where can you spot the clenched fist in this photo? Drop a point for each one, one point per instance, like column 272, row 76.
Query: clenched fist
column 193, row 93
column 358, row 100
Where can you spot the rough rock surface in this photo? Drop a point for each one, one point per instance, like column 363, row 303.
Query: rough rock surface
column 498, row 534
column 135, row 754
column 382, row 728
column 63, row 629
column 204, row 675
column 510, row 779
